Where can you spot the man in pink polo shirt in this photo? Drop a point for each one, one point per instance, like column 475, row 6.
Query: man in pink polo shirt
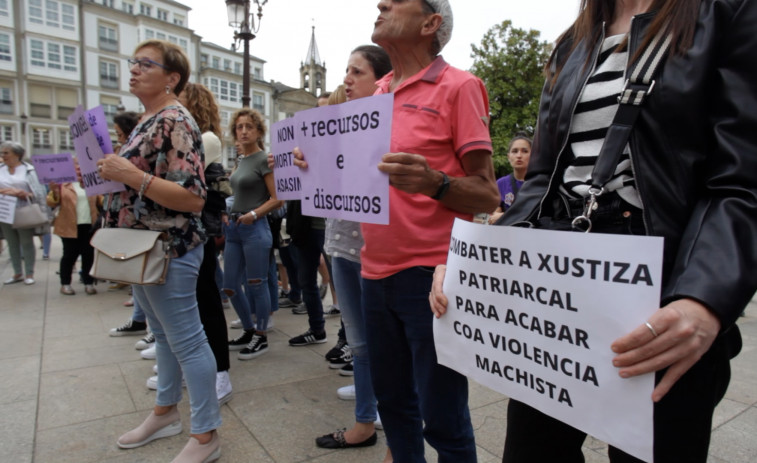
column 440, row 168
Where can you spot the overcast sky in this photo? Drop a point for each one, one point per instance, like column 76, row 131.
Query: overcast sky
column 341, row 25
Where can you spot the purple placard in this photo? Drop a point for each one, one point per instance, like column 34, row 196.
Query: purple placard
column 88, row 152
column 285, row 173
column 58, row 168
column 343, row 145
column 99, row 124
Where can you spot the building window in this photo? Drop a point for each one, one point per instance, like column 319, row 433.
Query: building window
column 224, row 91
column 145, row 9
column 108, row 37
column 183, row 44
column 66, row 100
column 178, row 20
column 6, row 133
column 65, row 140
column 6, row 99
column 149, row 34
column 233, row 93
column 54, row 14
column 204, row 59
column 213, row 87
column 216, row 62
column 41, row 140
column 108, row 3
column 162, row 15
column 227, row 65
column 110, row 107
column 39, row 101
column 238, row 68
column 127, row 7
column 5, row 48
column 48, row 54
column 108, row 74
column 35, row 12
column 257, row 73
column 4, row 8
column 160, row 35
column 257, row 103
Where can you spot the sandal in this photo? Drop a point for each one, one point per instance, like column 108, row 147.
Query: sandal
column 336, row 440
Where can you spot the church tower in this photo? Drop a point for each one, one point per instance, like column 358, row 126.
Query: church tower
column 313, row 71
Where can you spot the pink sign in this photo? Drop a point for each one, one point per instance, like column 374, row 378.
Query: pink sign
column 58, row 168
column 88, row 152
column 285, row 173
column 343, row 145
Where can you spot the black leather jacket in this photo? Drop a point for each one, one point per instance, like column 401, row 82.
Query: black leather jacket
column 694, row 156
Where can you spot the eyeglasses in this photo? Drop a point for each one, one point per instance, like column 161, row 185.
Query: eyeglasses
column 145, row 64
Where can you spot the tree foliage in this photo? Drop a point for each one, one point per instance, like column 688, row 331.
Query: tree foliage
column 510, row 62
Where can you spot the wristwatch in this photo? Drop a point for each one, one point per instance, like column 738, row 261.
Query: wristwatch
column 443, row 188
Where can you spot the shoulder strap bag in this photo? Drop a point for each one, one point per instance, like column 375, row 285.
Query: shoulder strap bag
column 635, row 91
column 130, row 255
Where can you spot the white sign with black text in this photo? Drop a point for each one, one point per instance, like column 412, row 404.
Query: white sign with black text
column 532, row 314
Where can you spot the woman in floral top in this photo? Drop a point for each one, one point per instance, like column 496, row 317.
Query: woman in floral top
column 161, row 165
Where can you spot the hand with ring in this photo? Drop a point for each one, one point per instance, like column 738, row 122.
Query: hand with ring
column 675, row 337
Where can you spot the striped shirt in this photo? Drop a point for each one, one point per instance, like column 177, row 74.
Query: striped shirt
column 594, row 113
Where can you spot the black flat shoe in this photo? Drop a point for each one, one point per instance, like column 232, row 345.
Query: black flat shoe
column 336, row 440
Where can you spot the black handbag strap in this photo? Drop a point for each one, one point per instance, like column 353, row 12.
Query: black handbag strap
column 637, row 88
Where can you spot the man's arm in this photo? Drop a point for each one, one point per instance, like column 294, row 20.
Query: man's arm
column 474, row 193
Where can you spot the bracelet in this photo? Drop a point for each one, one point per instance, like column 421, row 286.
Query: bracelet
column 146, row 180
column 254, row 216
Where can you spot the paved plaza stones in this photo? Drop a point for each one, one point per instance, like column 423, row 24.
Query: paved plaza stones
column 68, row 390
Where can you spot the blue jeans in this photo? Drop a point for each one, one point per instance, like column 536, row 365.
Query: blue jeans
column 247, row 255
column 137, row 314
column 308, row 258
column 180, row 342
column 411, row 387
column 347, row 283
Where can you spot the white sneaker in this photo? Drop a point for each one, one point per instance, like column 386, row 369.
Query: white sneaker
column 270, row 323
column 236, row 324
column 346, row 392
column 155, row 368
column 378, row 424
column 152, row 383
column 149, row 353
column 223, row 387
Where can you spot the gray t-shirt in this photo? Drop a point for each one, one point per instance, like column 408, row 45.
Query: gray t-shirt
column 248, row 184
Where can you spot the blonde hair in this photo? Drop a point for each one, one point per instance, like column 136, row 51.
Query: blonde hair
column 338, row 95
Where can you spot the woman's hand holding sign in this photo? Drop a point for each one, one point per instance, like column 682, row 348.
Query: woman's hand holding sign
column 675, row 337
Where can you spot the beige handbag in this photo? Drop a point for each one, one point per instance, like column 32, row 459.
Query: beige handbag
column 30, row 216
column 128, row 255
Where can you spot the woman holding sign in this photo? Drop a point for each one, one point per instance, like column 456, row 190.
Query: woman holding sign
column 685, row 171
column 161, row 166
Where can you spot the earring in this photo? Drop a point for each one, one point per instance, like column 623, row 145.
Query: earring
column 168, row 90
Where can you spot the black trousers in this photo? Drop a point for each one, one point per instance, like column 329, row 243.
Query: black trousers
column 211, row 310
column 72, row 249
column 682, row 419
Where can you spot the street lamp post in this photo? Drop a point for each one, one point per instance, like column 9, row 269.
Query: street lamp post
column 243, row 21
